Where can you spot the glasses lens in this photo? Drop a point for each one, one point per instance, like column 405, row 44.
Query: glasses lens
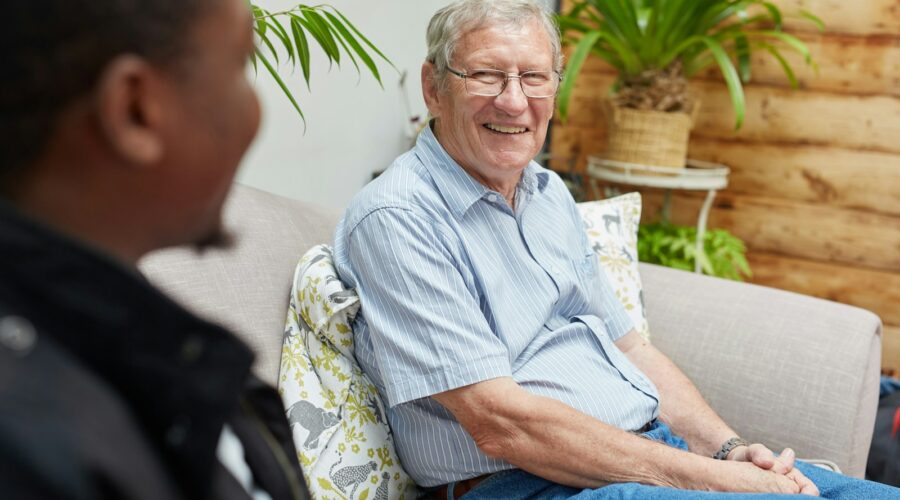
column 486, row 82
column 539, row 83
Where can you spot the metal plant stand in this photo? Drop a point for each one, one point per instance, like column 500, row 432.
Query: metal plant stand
column 697, row 176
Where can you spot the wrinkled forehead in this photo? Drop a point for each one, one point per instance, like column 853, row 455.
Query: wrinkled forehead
column 493, row 38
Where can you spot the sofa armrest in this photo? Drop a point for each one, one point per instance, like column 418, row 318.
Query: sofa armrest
column 781, row 368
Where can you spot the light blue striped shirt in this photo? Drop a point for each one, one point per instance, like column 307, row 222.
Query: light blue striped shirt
column 456, row 288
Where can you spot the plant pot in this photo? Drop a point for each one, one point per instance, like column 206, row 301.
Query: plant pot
column 647, row 137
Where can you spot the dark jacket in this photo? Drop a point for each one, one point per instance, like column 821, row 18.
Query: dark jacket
column 108, row 389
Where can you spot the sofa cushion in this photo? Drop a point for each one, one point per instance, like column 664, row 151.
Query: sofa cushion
column 337, row 418
column 612, row 226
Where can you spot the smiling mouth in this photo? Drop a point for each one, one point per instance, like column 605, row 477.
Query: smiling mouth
column 501, row 129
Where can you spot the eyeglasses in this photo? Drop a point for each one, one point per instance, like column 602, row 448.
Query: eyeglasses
column 492, row 82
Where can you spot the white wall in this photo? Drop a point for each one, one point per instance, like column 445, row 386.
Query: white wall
column 354, row 127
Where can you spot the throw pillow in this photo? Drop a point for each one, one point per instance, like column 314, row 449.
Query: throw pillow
column 337, row 418
column 612, row 226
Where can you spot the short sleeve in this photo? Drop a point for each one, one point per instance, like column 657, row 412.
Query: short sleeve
column 427, row 331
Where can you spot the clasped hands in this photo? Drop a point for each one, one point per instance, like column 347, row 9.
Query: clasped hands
column 783, row 464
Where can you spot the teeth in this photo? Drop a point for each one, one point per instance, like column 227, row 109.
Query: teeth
column 505, row 130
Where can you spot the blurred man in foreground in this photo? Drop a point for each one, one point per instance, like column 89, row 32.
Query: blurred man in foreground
column 122, row 123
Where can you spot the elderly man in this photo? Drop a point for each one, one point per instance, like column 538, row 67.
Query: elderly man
column 121, row 125
column 508, row 366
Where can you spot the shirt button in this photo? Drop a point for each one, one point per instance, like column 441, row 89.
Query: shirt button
column 17, row 334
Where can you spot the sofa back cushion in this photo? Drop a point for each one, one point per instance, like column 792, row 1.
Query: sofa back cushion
column 246, row 287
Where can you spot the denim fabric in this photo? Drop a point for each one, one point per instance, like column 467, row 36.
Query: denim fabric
column 519, row 484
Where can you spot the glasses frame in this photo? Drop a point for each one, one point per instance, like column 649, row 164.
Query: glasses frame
column 465, row 76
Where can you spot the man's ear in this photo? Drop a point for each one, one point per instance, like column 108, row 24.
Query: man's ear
column 130, row 105
column 429, row 89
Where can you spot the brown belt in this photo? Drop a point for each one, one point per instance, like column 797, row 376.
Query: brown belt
column 460, row 488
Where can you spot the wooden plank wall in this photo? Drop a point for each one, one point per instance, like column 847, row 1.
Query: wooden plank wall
column 815, row 183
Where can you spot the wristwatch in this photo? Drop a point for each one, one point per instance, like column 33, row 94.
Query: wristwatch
column 729, row 445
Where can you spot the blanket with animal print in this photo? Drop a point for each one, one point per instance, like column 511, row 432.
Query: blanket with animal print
column 337, row 418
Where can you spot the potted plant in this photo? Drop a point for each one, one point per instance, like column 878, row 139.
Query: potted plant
column 656, row 46
column 672, row 245
column 330, row 29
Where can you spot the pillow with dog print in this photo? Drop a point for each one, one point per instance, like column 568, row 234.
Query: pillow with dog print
column 612, row 226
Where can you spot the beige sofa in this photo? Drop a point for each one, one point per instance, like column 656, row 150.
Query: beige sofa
column 783, row 369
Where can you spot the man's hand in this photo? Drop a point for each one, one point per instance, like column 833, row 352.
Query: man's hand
column 762, row 457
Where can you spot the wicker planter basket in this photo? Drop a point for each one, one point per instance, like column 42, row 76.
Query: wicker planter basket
column 647, row 137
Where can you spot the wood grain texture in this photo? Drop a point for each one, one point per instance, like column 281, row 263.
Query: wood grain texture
column 778, row 115
column 813, row 174
column 890, row 348
column 807, row 231
column 774, row 115
column 860, row 17
column 877, row 291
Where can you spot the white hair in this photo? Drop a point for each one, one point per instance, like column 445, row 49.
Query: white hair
column 452, row 22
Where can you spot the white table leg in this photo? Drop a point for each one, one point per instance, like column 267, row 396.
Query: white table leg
column 701, row 227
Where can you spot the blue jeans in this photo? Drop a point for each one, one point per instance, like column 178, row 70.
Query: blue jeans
column 516, row 483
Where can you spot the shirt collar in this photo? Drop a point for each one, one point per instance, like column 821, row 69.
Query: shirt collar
column 459, row 189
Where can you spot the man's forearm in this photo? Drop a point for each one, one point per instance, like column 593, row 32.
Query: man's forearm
column 557, row 442
column 682, row 407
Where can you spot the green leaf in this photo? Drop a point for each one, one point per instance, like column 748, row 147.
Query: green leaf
column 774, row 13
column 282, row 35
column 325, row 38
column 732, row 80
column 345, row 33
column 364, row 39
column 815, row 19
column 788, row 71
column 572, row 69
column 268, row 44
column 280, row 82
column 790, row 40
column 742, row 51
column 364, row 494
column 302, row 45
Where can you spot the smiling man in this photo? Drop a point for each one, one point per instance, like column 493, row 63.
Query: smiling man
column 122, row 123
column 509, row 368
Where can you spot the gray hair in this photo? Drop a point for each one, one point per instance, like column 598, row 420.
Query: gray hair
column 449, row 24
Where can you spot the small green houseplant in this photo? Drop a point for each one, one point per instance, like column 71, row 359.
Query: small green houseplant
column 656, row 45
column 331, row 31
column 649, row 40
column 672, row 245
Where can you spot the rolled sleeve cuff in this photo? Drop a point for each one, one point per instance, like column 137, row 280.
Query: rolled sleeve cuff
column 446, row 379
column 617, row 323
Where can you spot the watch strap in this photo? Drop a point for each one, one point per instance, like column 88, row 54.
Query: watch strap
column 729, row 445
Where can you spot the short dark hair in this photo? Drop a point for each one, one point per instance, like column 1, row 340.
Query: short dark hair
column 53, row 52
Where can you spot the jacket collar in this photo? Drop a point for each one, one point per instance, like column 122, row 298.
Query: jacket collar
column 459, row 189
column 181, row 376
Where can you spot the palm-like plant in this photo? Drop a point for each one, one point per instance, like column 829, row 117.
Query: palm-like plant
column 332, row 32
column 656, row 44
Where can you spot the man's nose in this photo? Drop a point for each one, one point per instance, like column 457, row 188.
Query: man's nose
column 512, row 100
